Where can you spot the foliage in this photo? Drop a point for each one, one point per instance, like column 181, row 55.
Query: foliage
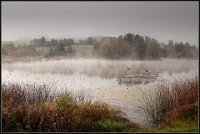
column 171, row 102
column 89, row 41
column 22, row 50
column 132, row 46
column 31, row 108
column 36, row 109
column 139, row 47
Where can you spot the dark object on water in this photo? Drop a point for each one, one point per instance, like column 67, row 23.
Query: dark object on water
column 128, row 68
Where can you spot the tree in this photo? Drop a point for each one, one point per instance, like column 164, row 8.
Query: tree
column 9, row 46
column 43, row 41
column 39, row 42
column 53, row 42
column 69, row 49
column 129, row 37
column 70, row 42
column 140, row 46
column 91, row 41
column 8, row 49
column 153, row 49
column 109, row 48
column 50, row 53
column 82, row 42
column 25, row 50
column 170, row 43
column 61, row 48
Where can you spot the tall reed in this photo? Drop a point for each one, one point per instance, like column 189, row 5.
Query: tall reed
column 164, row 103
column 31, row 108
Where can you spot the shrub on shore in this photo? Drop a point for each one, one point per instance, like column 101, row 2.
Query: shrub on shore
column 32, row 108
column 171, row 102
column 37, row 110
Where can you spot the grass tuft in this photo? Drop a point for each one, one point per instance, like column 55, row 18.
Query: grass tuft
column 171, row 103
column 35, row 109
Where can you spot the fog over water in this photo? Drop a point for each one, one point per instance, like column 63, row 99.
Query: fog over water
column 67, row 46
column 97, row 78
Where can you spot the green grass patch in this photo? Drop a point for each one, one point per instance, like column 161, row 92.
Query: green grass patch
column 177, row 126
column 83, row 49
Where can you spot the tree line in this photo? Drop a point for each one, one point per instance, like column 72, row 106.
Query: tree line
column 132, row 46
column 44, row 47
column 135, row 46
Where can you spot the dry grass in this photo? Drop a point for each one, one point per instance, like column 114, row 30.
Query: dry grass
column 171, row 102
column 186, row 96
column 35, row 109
column 31, row 108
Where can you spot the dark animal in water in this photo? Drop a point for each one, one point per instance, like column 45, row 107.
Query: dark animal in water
column 128, row 68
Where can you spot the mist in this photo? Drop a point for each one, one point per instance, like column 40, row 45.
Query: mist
column 98, row 79
column 96, row 53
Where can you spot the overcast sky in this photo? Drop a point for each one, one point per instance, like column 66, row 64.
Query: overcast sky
column 161, row 20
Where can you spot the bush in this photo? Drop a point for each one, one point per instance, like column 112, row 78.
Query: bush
column 170, row 102
column 187, row 112
column 34, row 109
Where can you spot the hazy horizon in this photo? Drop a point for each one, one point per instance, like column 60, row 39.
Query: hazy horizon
column 163, row 21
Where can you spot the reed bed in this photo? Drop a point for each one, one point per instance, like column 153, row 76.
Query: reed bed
column 169, row 102
column 36, row 109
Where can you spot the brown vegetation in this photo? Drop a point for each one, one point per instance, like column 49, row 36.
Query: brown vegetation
column 177, row 101
column 34, row 109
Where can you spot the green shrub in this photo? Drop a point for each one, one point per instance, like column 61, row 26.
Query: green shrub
column 65, row 101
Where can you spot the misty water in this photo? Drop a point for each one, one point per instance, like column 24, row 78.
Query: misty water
column 97, row 78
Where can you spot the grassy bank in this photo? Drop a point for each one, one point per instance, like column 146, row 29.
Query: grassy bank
column 33, row 108
column 172, row 107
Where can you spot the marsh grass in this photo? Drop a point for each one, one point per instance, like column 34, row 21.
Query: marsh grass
column 31, row 108
column 37, row 109
column 170, row 102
